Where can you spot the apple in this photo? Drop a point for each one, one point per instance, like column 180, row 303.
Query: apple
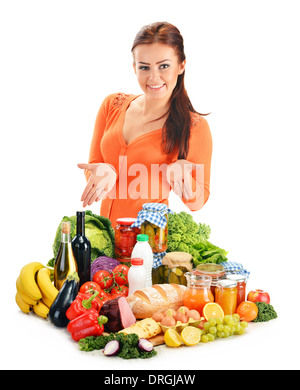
column 258, row 296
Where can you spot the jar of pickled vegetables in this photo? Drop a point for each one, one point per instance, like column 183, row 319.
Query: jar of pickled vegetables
column 216, row 271
column 226, row 295
column 157, row 236
column 241, row 286
column 125, row 239
column 176, row 264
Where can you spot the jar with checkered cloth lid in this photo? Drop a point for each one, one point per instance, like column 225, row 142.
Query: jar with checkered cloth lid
column 153, row 221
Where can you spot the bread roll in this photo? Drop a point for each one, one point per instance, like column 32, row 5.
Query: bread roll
column 144, row 303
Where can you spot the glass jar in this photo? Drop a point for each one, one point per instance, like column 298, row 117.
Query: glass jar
column 216, row 271
column 125, row 239
column 198, row 293
column 226, row 295
column 241, row 286
column 176, row 264
column 158, row 236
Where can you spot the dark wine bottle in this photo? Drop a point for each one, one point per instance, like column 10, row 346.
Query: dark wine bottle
column 82, row 250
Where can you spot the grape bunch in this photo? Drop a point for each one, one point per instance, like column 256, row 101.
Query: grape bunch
column 223, row 327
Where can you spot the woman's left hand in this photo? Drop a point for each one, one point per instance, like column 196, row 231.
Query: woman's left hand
column 179, row 176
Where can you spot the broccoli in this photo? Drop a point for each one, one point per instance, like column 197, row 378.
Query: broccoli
column 266, row 312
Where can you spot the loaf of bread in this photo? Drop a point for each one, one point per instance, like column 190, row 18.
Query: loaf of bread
column 160, row 297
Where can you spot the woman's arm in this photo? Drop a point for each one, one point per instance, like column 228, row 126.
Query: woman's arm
column 190, row 178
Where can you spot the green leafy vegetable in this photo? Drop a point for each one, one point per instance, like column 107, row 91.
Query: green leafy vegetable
column 186, row 235
column 208, row 253
column 98, row 230
column 184, row 232
column 128, row 345
column 266, row 312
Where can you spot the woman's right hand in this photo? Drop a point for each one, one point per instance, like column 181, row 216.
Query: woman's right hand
column 102, row 180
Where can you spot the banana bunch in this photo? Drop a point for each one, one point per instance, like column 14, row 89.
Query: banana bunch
column 35, row 290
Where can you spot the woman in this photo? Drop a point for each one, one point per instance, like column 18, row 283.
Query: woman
column 143, row 146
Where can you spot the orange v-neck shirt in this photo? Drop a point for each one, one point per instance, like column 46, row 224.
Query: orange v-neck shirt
column 140, row 164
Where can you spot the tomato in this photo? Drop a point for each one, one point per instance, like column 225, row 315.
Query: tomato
column 121, row 274
column 90, row 288
column 104, row 279
column 119, row 290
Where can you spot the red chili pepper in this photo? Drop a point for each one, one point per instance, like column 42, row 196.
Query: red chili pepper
column 88, row 324
column 82, row 304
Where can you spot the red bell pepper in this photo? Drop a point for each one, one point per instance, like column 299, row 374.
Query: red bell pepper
column 81, row 304
column 88, row 324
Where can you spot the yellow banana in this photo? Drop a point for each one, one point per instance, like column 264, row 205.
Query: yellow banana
column 47, row 288
column 46, row 301
column 27, row 278
column 41, row 309
column 23, row 295
column 22, row 305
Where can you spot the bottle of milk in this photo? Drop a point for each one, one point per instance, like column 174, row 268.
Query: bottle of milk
column 143, row 250
column 136, row 275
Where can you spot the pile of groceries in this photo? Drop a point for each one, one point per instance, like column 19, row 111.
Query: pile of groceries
column 152, row 280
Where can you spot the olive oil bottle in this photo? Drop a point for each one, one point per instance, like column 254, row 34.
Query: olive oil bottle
column 65, row 263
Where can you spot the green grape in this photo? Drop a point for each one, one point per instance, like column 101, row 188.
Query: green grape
column 206, row 326
column 212, row 321
column 226, row 334
column 241, row 331
column 237, row 327
column 220, row 327
column 204, row 338
column 236, row 317
column 227, row 318
column 244, row 324
column 210, row 336
column 219, row 321
column 227, row 329
column 212, row 330
column 232, row 330
column 220, row 334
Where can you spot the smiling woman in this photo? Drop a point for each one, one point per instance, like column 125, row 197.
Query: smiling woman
column 157, row 128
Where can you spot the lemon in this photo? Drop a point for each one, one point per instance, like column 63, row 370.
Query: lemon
column 172, row 338
column 190, row 335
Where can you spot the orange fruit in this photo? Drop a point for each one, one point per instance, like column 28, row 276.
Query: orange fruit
column 247, row 311
column 212, row 310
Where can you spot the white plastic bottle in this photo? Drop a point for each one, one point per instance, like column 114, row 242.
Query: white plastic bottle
column 136, row 275
column 143, row 250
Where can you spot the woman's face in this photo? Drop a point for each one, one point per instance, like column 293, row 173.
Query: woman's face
column 157, row 68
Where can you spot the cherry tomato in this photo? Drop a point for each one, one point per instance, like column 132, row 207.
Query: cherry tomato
column 121, row 274
column 104, row 279
column 90, row 288
column 119, row 290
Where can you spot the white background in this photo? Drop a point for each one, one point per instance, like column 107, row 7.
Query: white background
column 59, row 59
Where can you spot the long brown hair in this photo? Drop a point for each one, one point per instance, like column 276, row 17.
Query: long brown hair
column 176, row 130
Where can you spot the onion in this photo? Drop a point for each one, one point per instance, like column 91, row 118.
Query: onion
column 145, row 345
column 111, row 348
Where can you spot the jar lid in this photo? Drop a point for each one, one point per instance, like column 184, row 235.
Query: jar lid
column 227, row 283
column 237, row 277
column 126, row 221
column 211, row 269
column 142, row 237
column 137, row 261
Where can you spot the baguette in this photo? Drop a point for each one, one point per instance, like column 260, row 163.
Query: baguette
column 160, row 297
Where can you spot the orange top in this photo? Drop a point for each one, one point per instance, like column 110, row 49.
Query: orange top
column 138, row 163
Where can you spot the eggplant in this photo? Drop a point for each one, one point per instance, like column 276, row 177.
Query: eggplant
column 65, row 296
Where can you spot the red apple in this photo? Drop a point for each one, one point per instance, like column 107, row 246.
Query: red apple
column 258, row 296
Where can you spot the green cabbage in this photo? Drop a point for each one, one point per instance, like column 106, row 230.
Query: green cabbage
column 98, row 230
